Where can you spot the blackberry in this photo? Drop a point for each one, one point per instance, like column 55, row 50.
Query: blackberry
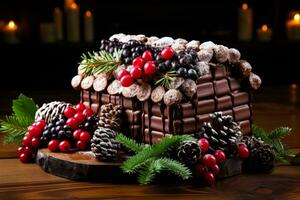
column 90, row 124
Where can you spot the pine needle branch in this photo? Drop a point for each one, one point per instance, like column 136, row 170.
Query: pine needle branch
column 154, row 151
column 175, row 167
column 148, row 171
column 282, row 152
column 166, row 79
column 94, row 63
column 129, row 143
column 14, row 128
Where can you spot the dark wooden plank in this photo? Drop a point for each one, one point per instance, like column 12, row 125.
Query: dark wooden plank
column 27, row 181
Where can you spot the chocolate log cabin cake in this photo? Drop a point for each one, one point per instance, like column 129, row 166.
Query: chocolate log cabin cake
column 190, row 81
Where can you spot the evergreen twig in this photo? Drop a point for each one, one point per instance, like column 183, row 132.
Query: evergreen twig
column 166, row 79
column 97, row 62
column 129, row 143
column 282, row 152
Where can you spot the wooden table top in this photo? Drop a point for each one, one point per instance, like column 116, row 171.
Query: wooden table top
column 273, row 107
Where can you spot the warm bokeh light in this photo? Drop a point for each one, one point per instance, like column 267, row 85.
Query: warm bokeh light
column 74, row 6
column 88, row 13
column 297, row 17
column 294, row 86
column 264, row 27
column 11, row 26
column 245, row 6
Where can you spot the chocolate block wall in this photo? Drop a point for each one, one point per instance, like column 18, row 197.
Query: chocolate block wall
column 148, row 122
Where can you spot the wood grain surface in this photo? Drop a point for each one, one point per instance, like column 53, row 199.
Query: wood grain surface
column 273, row 107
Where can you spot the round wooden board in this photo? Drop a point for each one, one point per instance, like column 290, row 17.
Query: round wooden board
column 80, row 165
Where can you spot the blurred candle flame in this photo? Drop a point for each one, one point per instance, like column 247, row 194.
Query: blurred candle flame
column 244, row 6
column 297, row 17
column 74, row 6
column 88, row 13
column 11, row 26
column 264, row 27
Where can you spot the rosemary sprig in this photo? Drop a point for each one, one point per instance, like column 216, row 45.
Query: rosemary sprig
column 165, row 79
column 94, row 63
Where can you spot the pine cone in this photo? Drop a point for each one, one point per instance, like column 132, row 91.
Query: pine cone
column 104, row 145
column 110, row 116
column 50, row 110
column 189, row 152
column 261, row 158
column 222, row 133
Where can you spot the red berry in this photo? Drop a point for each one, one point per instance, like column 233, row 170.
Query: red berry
column 88, row 112
column 138, row 62
column 27, row 150
column 147, row 56
column 126, row 81
column 209, row 160
column 220, row 156
column 79, row 118
column 80, row 107
column 200, row 169
column 72, row 123
column 35, row 142
column 85, row 136
column 167, row 53
column 243, row 151
column 41, row 124
column 209, row 178
column 26, row 140
column 122, row 73
column 64, row 146
column 215, row 169
column 204, row 145
column 25, row 158
column 69, row 112
column 35, row 131
column 81, row 145
column 136, row 72
column 76, row 134
column 20, row 150
column 53, row 145
column 149, row 68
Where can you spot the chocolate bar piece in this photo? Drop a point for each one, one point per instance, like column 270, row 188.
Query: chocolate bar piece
column 156, row 109
column 188, row 110
column 154, row 136
column 105, row 99
column 201, row 119
column 189, row 125
column 241, row 112
column 85, row 95
column 94, row 97
column 240, row 98
column 157, row 123
column 205, row 90
column 135, row 131
column 177, row 127
column 223, row 103
column 245, row 127
column 95, row 107
column 146, row 119
column 206, row 106
column 228, row 112
column 133, row 117
column 234, row 84
column 219, row 71
column 204, row 79
column 130, row 103
column 221, row 87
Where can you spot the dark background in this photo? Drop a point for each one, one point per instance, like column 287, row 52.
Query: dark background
column 32, row 65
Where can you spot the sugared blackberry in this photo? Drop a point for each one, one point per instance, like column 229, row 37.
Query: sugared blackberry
column 192, row 74
column 90, row 124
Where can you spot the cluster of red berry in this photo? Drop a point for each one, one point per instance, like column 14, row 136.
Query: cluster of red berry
column 142, row 65
column 75, row 117
column 31, row 141
column 208, row 168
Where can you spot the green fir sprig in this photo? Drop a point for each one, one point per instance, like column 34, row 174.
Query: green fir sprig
column 94, row 63
column 166, row 79
column 15, row 126
column 152, row 159
column 282, row 152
